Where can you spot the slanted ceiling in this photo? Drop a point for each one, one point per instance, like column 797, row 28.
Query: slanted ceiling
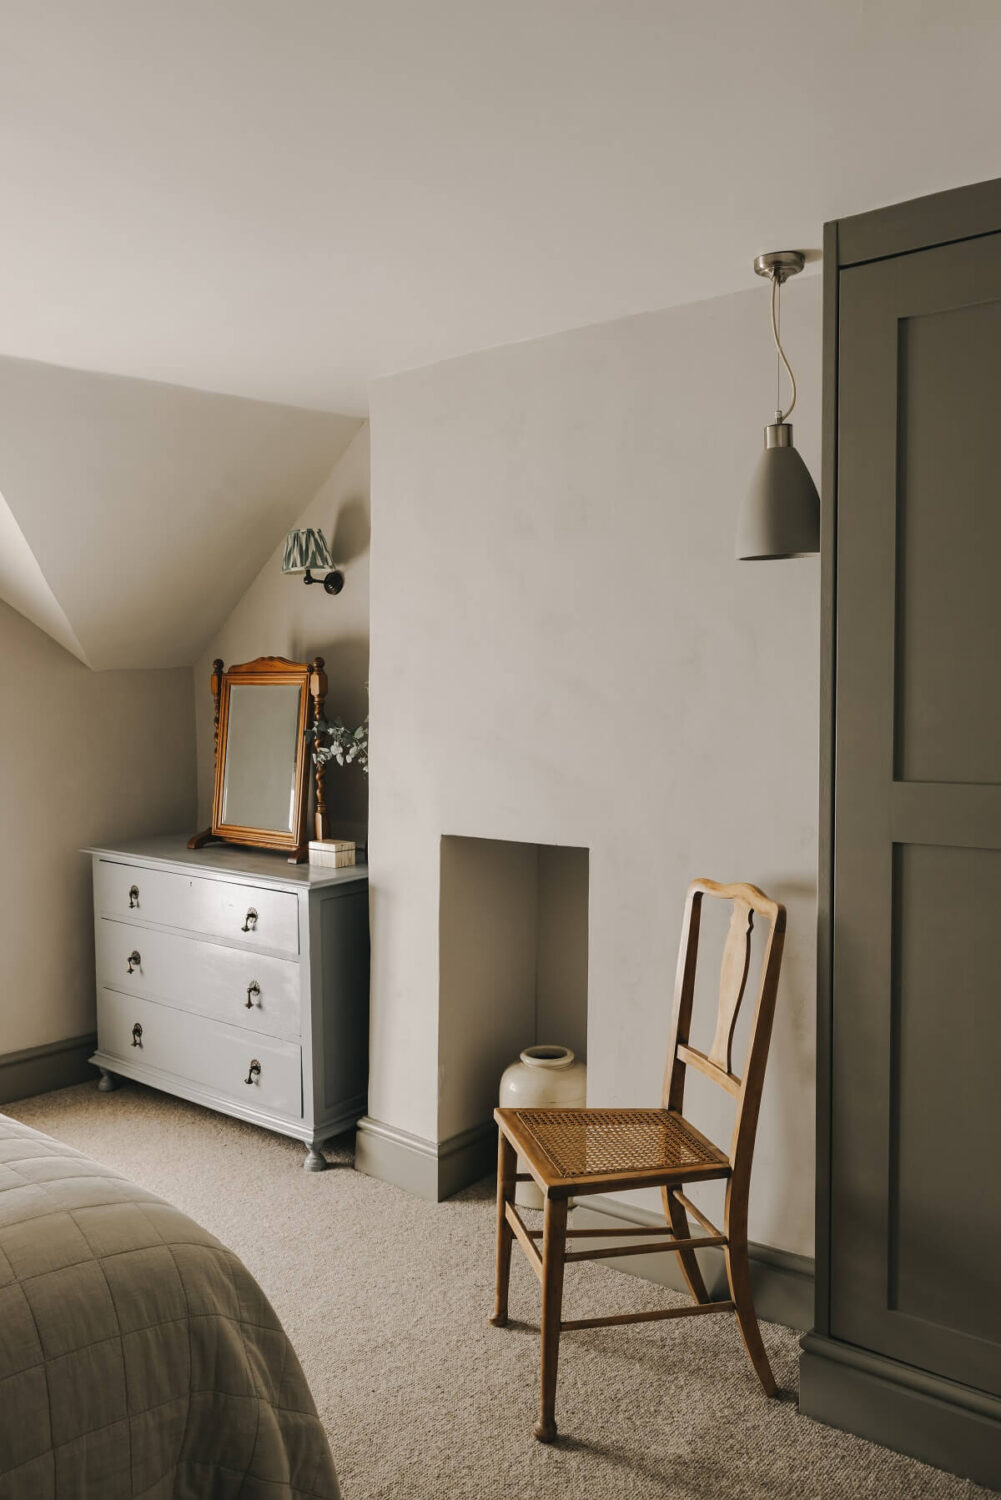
column 291, row 200
column 134, row 515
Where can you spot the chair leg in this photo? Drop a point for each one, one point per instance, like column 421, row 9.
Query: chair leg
column 738, row 1273
column 678, row 1220
column 554, row 1243
column 507, row 1162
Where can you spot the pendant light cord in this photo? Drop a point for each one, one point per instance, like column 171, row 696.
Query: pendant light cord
column 782, row 416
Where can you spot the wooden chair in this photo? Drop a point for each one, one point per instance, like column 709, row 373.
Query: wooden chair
column 574, row 1152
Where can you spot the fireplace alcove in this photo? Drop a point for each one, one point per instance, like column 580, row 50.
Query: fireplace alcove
column 513, row 948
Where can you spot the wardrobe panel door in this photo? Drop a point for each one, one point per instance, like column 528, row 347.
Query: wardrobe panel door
column 916, row 1123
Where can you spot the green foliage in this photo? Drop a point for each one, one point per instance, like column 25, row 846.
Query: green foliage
column 339, row 743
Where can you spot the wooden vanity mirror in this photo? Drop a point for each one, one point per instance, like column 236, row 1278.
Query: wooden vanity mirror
column 263, row 709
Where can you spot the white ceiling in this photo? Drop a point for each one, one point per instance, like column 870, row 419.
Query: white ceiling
column 286, row 198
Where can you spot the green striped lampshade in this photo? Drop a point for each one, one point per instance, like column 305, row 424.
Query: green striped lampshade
column 306, row 549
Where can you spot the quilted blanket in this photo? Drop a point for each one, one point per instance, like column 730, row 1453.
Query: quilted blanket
column 138, row 1356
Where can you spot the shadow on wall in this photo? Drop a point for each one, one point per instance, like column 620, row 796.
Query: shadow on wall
column 352, row 533
column 793, row 1049
column 513, row 964
column 347, row 698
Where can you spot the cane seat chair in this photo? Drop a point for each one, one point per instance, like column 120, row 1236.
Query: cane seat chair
column 576, row 1152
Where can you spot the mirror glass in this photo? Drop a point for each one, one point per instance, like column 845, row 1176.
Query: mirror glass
column 262, row 744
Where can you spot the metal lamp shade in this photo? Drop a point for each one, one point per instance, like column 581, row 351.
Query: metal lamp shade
column 780, row 516
column 304, row 550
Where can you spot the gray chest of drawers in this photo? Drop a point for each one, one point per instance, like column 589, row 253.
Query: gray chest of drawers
column 233, row 979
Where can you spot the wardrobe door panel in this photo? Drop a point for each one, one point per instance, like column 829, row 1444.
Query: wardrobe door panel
column 946, row 1040
column 916, row 1024
column 948, row 718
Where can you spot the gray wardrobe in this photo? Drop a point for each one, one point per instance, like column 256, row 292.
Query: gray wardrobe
column 906, row 1347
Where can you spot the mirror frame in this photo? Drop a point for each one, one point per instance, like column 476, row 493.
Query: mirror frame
column 266, row 671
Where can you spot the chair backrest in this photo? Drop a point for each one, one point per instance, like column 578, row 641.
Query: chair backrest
column 747, row 902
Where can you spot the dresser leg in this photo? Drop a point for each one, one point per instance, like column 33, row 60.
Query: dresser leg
column 108, row 1082
column 315, row 1160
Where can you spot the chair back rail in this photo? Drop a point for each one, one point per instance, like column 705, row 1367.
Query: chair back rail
column 747, row 902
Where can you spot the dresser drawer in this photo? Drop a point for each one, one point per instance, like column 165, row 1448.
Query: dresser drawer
column 246, row 914
column 201, row 1051
column 252, row 990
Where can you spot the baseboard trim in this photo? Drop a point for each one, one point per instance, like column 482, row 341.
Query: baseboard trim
column 39, row 1070
column 782, row 1282
column 912, row 1411
column 429, row 1169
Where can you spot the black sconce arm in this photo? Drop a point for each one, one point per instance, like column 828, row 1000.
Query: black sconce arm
column 333, row 582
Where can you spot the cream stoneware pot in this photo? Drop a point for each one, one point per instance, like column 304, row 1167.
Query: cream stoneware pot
column 544, row 1078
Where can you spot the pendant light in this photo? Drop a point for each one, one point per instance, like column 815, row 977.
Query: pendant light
column 780, row 516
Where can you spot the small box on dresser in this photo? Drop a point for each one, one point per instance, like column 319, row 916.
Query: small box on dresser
column 233, row 979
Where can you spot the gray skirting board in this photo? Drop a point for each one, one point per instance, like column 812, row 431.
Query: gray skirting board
column 782, row 1282
column 912, row 1411
column 429, row 1169
column 39, row 1070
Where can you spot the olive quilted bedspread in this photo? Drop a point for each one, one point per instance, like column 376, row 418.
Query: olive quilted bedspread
column 138, row 1356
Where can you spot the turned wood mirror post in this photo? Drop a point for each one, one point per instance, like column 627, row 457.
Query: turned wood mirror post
column 318, row 693
column 262, row 712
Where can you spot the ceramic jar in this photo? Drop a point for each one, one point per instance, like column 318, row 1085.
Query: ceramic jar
column 544, row 1077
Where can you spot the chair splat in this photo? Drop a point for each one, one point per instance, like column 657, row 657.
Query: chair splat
column 732, row 982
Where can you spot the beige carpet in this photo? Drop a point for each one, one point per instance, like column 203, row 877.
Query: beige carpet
column 386, row 1300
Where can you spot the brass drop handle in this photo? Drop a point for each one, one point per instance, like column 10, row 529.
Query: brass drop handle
column 137, row 1035
column 134, row 960
column 250, row 921
column 133, row 896
column 253, row 993
column 255, row 1069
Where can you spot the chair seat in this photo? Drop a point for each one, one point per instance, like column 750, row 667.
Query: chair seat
column 586, row 1149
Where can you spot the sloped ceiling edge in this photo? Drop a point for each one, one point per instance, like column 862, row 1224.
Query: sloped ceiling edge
column 23, row 586
column 139, row 513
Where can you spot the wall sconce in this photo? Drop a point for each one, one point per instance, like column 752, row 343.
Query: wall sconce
column 780, row 516
column 308, row 549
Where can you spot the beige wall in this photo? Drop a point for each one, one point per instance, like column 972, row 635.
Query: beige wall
column 565, row 651
column 280, row 616
column 84, row 757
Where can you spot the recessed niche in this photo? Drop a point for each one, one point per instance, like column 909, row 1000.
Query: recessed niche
column 512, row 965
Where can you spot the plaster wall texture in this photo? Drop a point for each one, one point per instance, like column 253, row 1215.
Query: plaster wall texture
column 565, row 651
column 280, row 616
column 87, row 757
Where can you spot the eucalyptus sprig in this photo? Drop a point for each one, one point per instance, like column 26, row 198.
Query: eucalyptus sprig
column 339, row 743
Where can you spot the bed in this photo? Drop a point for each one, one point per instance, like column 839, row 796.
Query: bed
column 138, row 1356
